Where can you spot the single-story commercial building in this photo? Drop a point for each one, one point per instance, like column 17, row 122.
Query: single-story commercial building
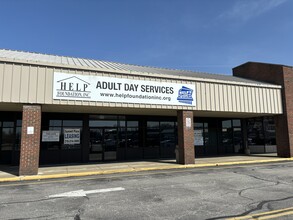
column 56, row 109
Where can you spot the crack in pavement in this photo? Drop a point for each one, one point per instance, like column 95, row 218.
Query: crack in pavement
column 275, row 183
column 258, row 207
column 259, row 178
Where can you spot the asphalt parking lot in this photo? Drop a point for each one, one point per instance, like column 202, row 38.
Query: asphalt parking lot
column 262, row 191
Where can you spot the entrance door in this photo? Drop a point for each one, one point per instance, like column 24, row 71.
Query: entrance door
column 103, row 144
column 110, row 143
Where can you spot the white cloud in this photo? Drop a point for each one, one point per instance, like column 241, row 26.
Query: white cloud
column 245, row 10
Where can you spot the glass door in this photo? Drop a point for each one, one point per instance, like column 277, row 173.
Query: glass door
column 227, row 138
column 96, row 144
column 103, row 144
column 110, row 143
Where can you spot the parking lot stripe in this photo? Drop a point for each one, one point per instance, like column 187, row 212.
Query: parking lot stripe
column 266, row 215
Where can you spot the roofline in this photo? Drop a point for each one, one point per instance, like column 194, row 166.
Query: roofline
column 92, row 59
column 263, row 63
column 136, row 73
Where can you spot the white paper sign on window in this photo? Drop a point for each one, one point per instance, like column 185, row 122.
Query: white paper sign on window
column 71, row 136
column 50, row 136
column 198, row 137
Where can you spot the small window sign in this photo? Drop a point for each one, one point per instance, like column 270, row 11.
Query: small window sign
column 50, row 136
column 72, row 136
column 198, row 137
column 30, row 130
column 188, row 122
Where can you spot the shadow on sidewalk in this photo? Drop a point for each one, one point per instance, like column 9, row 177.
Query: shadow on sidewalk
column 9, row 169
column 162, row 161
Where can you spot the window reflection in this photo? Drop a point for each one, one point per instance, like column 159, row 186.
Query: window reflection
column 231, row 137
column 8, row 124
column 72, row 123
column 103, row 123
column 261, row 135
column 60, row 125
column 7, row 139
column 153, row 134
column 255, row 135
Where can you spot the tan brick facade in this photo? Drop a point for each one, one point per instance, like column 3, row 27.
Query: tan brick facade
column 281, row 75
column 30, row 140
column 185, row 137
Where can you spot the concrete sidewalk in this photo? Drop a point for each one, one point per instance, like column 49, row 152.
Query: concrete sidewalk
column 9, row 174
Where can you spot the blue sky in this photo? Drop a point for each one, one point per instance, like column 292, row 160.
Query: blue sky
column 201, row 35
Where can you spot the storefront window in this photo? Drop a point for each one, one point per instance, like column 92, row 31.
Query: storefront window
column 206, row 133
column 231, row 137
column 69, row 135
column 18, row 135
column 236, row 123
column 103, row 123
column 270, row 131
column 55, row 145
column 132, row 134
column 262, row 135
column 72, row 123
column 255, row 133
column 7, row 135
column 7, row 139
column 167, row 138
column 227, row 136
column 55, row 123
column 132, row 123
column 118, row 135
column 153, row 134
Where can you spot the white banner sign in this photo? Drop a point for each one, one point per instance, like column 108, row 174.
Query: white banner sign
column 71, row 136
column 109, row 89
column 50, row 136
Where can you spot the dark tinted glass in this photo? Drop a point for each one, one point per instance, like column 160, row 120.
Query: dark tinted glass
column 226, row 124
column 104, row 117
column 8, row 124
column 7, row 139
column 102, row 123
column 18, row 122
column 55, row 123
column 132, row 123
column 72, row 123
column 153, row 124
column 270, row 131
column 236, row 123
column 153, row 134
column 132, row 137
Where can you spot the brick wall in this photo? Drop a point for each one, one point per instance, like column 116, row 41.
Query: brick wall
column 288, row 92
column 281, row 75
column 185, row 137
column 30, row 143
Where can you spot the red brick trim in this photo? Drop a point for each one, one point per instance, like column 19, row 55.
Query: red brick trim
column 185, row 137
column 30, row 143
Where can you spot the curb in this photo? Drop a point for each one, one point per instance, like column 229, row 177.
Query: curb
column 129, row 170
